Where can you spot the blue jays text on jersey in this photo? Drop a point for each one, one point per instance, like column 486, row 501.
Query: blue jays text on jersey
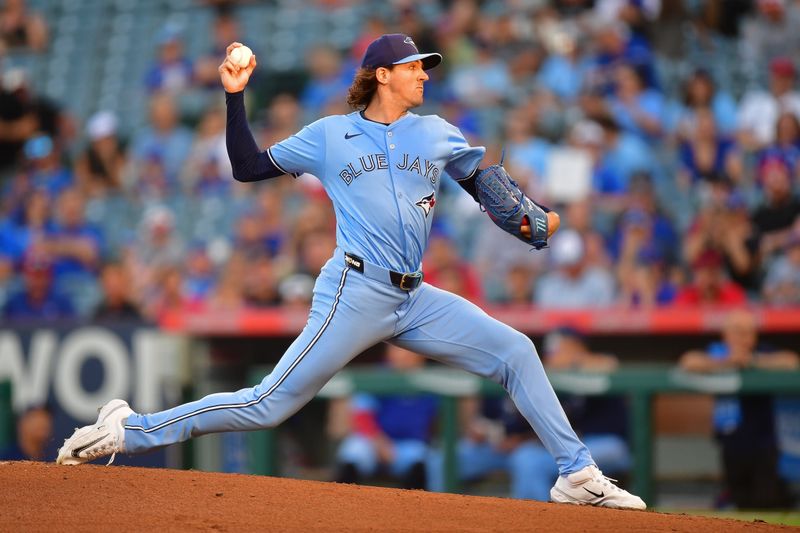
column 379, row 162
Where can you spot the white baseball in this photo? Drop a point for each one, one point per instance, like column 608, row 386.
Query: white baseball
column 241, row 56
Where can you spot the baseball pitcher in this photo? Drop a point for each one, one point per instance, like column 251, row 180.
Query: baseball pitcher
column 382, row 166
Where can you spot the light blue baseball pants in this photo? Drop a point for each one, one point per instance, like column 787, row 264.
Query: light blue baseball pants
column 351, row 312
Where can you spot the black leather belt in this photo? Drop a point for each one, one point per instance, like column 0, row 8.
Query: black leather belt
column 407, row 281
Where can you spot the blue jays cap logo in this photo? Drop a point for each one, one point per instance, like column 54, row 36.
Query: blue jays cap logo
column 396, row 49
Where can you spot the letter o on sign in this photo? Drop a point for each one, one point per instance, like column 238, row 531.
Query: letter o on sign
column 77, row 348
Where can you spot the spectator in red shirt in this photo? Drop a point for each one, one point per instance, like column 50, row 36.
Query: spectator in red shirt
column 709, row 285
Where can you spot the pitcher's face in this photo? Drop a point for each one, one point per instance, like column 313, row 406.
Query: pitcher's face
column 406, row 82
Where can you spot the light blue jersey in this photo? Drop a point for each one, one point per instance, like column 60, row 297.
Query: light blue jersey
column 383, row 180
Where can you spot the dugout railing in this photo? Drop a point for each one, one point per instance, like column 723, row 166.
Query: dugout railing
column 639, row 383
column 7, row 430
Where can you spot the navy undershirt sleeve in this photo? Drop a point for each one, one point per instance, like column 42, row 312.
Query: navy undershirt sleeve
column 468, row 184
column 247, row 161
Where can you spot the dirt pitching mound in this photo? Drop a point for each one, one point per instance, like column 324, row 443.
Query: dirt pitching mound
column 47, row 497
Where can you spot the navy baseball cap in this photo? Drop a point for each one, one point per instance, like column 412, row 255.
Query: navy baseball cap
column 396, row 49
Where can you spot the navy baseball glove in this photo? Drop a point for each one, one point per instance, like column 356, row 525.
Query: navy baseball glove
column 509, row 208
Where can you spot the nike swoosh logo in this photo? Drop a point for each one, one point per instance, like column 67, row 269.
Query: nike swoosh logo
column 348, row 136
column 594, row 493
column 76, row 452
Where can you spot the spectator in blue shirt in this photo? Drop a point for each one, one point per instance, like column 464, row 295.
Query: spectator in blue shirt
column 389, row 433
column 624, row 155
column 172, row 71
column 564, row 71
column 745, row 425
column 41, row 169
column 787, row 142
column 38, row 300
column 706, row 154
column 526, row 151
column 485, row 82
column 46, row 169
column 199, row 276
column 328, row 83
column 643, row 226
column 616, row 45
column 30, row 225
column 637, row 108
column 74, row 245
column 165, row 139
column 572, row 283
column 700, row 92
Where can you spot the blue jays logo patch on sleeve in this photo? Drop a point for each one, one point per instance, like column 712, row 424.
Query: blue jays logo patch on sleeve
column 427, row 203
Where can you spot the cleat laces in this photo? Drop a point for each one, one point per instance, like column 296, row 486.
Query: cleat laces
column 608, row 483
column 101, row 451
column 605, row 480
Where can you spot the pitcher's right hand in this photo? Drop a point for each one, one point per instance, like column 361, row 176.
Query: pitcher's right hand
column 234, row 78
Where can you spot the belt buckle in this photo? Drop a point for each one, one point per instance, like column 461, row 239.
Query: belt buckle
column 414, row 277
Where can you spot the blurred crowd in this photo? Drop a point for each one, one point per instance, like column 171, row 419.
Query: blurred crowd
column 666, row 134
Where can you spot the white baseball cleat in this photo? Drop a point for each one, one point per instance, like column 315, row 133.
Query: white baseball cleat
column 589, row 486
column 105, row 437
